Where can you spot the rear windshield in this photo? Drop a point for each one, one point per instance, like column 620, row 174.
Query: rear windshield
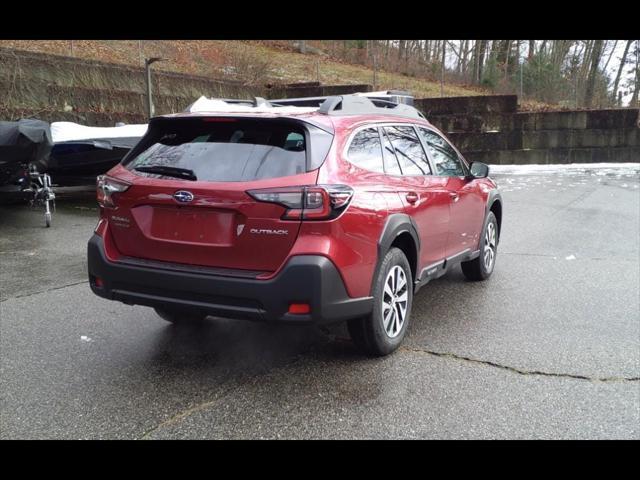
column 224, row 150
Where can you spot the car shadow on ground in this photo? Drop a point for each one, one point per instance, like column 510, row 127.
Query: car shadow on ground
column 247, row 346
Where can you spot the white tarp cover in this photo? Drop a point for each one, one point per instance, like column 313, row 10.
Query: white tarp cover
column 73, row 132
column 204, row 104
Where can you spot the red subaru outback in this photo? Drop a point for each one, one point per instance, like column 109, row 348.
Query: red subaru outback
column 336, row 212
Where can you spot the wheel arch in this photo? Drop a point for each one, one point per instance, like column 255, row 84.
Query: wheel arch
column 399, row 231
column 494, row 204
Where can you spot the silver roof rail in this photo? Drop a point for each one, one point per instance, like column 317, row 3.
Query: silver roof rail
column 352, row 105
column 256, row 102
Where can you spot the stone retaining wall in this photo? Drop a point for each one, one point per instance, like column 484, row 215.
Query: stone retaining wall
column 56, row 88
column 485, row 128
column 489, row 129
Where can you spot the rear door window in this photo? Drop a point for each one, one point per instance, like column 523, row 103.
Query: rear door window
column 391, row 165
column 365, row 150
column 225, row 150
column 409, row 151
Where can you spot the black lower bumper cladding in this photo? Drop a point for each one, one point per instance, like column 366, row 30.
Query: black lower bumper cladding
column 310, row 279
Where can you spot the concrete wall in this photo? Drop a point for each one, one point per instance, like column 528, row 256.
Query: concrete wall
column 485, row 128
column 57, row 88
column 489, row 129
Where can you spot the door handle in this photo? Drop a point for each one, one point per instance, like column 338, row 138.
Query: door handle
column 454, row 196
column 412, row 197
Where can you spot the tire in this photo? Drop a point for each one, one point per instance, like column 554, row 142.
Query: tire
column 47, row 219
column 480, row 268
column 371, row 334
column 180, row 318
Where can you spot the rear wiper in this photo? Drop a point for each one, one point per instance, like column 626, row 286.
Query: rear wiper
column 183, row 173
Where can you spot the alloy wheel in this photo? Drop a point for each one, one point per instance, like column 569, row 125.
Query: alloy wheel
column 394, row 301
column 489, row 246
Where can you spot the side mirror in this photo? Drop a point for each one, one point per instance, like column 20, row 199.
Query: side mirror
column 479, row 170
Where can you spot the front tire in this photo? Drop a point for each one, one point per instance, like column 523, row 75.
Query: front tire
column 180, row 318
column 481, row 268
column 382, row 331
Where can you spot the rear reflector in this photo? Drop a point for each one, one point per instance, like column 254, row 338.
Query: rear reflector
column 299, row 308
column 98, row 282
column 101, row 227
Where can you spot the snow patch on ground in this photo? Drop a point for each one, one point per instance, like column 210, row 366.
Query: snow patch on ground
column 535, row 169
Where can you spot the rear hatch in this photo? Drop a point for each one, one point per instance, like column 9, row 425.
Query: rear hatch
column 187, row 202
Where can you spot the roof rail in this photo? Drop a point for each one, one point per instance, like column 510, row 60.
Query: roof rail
column 353, row 104
column 256, row 102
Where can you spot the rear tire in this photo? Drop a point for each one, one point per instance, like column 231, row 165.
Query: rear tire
column 180, row 318
column 481, row 268
column 382, row 331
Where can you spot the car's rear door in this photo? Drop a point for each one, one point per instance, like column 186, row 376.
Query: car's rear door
column 425, row 197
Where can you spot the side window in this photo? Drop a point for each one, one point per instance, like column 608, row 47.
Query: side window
column 411, row 156
column 391, row 165
column 365, row 150
column 446, row 160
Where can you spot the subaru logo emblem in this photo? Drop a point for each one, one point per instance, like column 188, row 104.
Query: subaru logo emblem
column 183, row 196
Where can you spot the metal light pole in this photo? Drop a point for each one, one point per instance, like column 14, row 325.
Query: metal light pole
column 444, row 47
column 375, row 71
column 147, row 65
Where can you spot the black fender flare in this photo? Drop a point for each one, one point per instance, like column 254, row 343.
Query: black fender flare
column 493, row 197
column 395, row 225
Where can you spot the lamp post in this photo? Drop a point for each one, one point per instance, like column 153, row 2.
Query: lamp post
column 147, row 65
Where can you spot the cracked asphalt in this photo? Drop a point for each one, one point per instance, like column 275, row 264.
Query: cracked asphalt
column 549, row 347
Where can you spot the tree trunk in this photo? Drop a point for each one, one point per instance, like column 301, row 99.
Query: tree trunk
column 542, row 49
column 532, row 50
column 593, row 72
column 623, row 61
column 465, row 56
column 401, row 47
column 615, row 44
column 483, row 47
column 634, row 98
column 507, row 50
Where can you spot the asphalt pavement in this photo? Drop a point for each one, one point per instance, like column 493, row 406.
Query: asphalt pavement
column 548, row 347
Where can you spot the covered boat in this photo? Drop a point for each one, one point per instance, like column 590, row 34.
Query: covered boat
column 80, row 153
column 23, row 144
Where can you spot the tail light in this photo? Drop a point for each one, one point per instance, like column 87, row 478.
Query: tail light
column 311, row 202
column 106, row 187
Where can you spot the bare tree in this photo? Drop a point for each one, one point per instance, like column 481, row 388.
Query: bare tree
column 623, row 62
column 613, row 49
column 532, row 50
column 634, row 98
column 593, row 71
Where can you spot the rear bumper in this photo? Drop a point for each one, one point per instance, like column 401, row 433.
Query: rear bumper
column 311, row 279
